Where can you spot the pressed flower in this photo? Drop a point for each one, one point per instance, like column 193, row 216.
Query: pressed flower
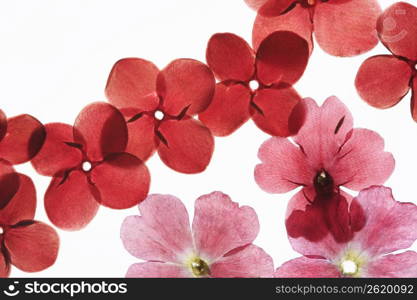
column 89, row 167
column 389, row 226
column 219, row 244
column 383, row 80
column 341, row 27
column 159, row 107
column 255, row 85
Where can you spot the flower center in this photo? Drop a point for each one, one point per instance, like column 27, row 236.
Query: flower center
column 254, row 85
column 349, row 267
column 159, row 115
column 1, row 230
column 86, row 166
column 323, row 183
column 199, row 267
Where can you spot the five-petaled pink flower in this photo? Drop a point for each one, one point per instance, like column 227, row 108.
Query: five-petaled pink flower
column 159, row 107
column 257, row 85
column 383, row 80
column 89, row 167
column 389, row 226
column 341, row 27
column 219, row 244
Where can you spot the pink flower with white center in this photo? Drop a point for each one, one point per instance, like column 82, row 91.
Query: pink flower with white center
column 219, row 244
column 389, row 226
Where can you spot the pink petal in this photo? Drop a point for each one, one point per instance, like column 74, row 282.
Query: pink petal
column 397, row 29
column 70, row 201
column 185, row 84
column 229, row 109
column 58, row 153
column 9, row 183
column 32, row 247
column 4, row 266
column 3, row 124
column 130, row 82
column 230, row 57
column 414, row 99
column 23, row 140
column 383, row 80
column 157, row 270
column 403, row 265
column 249, row 262
column 274, row 108
column 189, row 145
column 122, row 180
column 346, row 28
column 275, row 7
column 304, row 267
column 296, row 20
column 282, row 57
column 362, row 161
column 220, row 225
column 161, row 233
column 283, row 168
column 101, row 129
column 390, row 225
column 23, row 204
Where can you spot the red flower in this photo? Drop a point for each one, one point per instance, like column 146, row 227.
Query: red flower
column 29, row 245
column 255, row 85
column 159, row 107
column 383, row 80
column 90, row 167
column 342, row 27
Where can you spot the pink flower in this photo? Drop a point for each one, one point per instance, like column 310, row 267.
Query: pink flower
column 219, row 244
column 389, row 226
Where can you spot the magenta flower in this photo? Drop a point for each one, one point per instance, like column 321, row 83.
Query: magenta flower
column 219, row 244
column 389, row 226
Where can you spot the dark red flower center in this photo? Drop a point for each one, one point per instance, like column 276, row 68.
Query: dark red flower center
column 323, row 183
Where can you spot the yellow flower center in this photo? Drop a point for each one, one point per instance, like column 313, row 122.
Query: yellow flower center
column 199, row 267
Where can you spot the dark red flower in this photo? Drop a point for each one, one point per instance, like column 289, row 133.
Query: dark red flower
column 342, row 27
column 90, row 167
column 255, row 85
column 383, row 80
column 27, row 244
column 159, row 107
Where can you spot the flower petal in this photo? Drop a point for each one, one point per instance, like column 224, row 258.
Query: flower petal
column 70, row 201
column 229, row 109
column 157, row 270
column 220, row 225
column 58, row 153
column 101, row 129
column 32, row 247
column 161, row 233
column 122, row 180
column 185, row 84
column 274, row 109
column 23, row 140
column 189, row 145
column 403, row 265
column 249, row 262
column 397, row 29
column 23, row 204
column 9, row 183
column 130, row 82
column 414, row 99
column 4, row 266
column 390, row 225
column 346, row 28
column 270, row 8
column 3, row 124
column 230, row 57
column 283, row 168
column 383, row 80
column 304, row 267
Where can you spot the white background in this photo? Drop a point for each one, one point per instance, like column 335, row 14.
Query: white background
column 55, row 57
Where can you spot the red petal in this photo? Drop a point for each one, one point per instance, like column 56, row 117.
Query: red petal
column 229, row 109
column 346, row 28
column 4, row 266
column 230, row 57
column 32, row 247
column 101, row 129
column 397, row 29
column 24, row 138
column 70, row 201
column 23, row 204
column 3, row 124
column 275, row 107
column 414, row 99
column 189, row 145
column 296, row 20
column 122, row 180
column 185, row 83
column 382, row 81
column 142, row 137
column 9, row 183
column 255, row 4
column 304, row 267
column 274, row 8
column 130, row 82
column 57, row 153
